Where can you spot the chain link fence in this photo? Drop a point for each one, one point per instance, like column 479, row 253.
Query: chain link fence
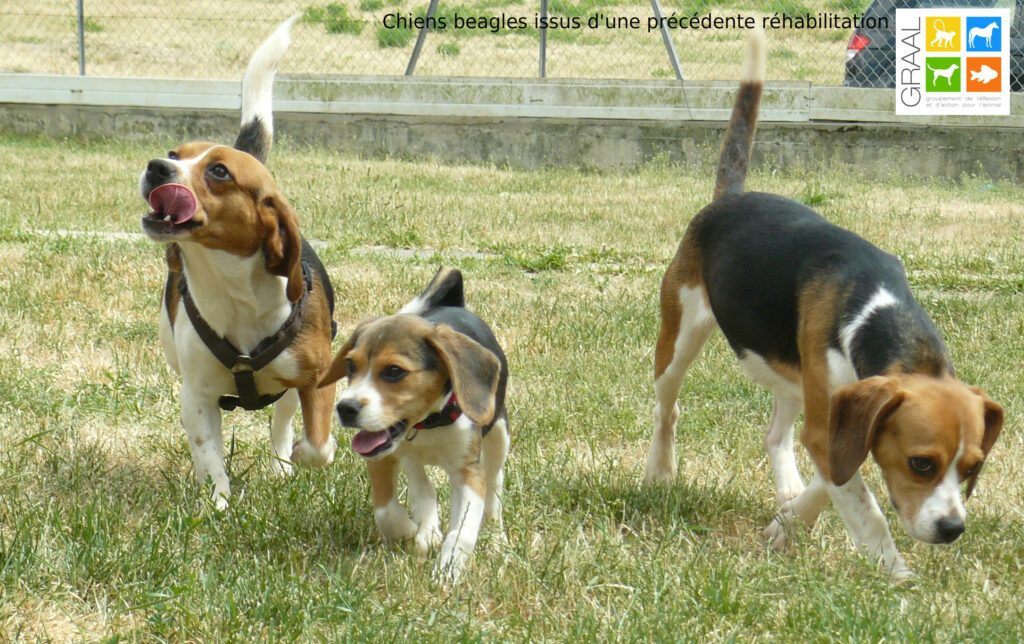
column 812, row 41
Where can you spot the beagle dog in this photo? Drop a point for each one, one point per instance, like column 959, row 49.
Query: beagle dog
column 427, row 387
column 246, row 317
column 827, row 321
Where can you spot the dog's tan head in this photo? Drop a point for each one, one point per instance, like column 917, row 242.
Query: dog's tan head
column 399, row 369
column 928, row 435
column 222, row 199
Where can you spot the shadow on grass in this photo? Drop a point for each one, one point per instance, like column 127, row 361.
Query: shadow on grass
column 695, row 506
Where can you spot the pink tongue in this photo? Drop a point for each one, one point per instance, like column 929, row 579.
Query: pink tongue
column 175, row 200
column 365, row 442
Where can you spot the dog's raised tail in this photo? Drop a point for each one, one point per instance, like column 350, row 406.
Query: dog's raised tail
column 445, row 289
column 257, row 133
column 739, row 136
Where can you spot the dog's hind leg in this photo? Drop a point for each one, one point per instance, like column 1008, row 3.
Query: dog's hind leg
column 281, row 431
column 494, row 452
column 779, row 445
column 686, row 323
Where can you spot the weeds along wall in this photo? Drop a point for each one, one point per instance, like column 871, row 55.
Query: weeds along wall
column 481, row 38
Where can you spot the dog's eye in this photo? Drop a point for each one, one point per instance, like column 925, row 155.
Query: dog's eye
column 219, row 172
column 351, row 365
column 394, row 373
column 972, row 470
column 172, row 155
column 922, row 466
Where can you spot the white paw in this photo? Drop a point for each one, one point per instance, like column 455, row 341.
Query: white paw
column 659, row 470
column 394, row 522
column 427, row 539
column 280, row 466
column 787, row 493
column 305, row 454
column 220, row 501
column 900, row 572
column 450, row 564
column 780, row 533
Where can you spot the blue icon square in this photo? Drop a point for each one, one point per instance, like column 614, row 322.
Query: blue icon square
column 984, row 33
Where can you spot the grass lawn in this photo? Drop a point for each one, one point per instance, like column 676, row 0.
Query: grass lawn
column 104, row 533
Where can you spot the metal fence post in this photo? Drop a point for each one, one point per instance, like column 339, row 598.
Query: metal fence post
column 667, row 38
column 543, row 38
column 81, row 39
column 420, row 39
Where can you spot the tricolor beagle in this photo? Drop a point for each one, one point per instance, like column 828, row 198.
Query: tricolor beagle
column 247, row 308
column 827, row 321
column 427, row 387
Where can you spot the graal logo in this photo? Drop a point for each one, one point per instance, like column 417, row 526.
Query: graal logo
column 952, row 61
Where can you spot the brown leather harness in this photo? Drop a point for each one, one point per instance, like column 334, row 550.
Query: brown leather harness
column 241, row 365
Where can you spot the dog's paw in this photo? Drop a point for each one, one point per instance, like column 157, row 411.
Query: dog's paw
column 779, row 533
column 900, row 572
column 659, row 471
column 394, row 522
column 450, row 565
column 427, row 540
column 306, row 454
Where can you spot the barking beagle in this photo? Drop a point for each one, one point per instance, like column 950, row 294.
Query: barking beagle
column 247, row 307
column 827, row 322
column 427, row 387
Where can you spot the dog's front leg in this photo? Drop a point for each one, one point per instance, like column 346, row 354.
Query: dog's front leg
column 423, row 502
column 464, row 526
column 805, row 507
column 200, row 416
column 316, row 447
column 391, row 518
column 867, row 525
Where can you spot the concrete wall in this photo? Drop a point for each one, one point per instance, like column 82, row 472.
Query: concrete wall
column 532, row 124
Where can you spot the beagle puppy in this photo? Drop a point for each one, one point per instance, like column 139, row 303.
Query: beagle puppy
column 246, row 317
column 427, row 387
column 827, row 321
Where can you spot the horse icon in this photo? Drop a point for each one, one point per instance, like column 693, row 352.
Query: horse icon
column 983, row 32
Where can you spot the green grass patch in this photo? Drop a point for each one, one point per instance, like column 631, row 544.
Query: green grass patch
column 106, row 536
column 335, row 19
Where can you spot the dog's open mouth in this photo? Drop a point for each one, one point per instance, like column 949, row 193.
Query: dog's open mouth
column 369, row 444
column 173, row 206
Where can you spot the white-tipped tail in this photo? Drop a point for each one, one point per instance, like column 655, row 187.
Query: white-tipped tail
column 753, row 64
column 739, row 136
column 257, row 133
column 258, row 82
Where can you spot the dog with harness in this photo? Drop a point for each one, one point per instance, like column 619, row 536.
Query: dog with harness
column 246, row 317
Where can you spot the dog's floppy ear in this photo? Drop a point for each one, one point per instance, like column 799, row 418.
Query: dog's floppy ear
column 339, row 366
column 283, row 244
column 473, row 369
column 857, row 410
column 993, row 425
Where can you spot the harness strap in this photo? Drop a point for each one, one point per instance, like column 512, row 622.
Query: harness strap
column 244, row 366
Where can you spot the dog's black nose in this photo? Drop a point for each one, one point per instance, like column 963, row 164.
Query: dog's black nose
column 949, row 529
column 158, row 171
column 348, row 410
